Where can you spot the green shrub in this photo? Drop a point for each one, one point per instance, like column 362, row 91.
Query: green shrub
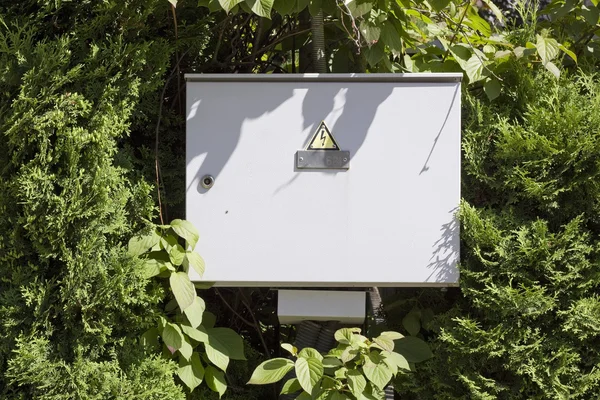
column 72, row 303
column 526, row 325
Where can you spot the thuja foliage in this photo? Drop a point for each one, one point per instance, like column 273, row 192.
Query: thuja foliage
column 527, row 323
column 72, row 302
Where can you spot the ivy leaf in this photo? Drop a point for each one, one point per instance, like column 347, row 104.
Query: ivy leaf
column 183, row 289
column 291, row 386
column 191, row 372
column 194, row 260
column 186, row 230
column 413, row 349
column 215, row 380
column 172, row 336
column 492, row 89
column 195, row 311
column 226, row 341
column 261, row 7
column 412, row 323
column 356, row 382
column 271, row 371
column 309, row 372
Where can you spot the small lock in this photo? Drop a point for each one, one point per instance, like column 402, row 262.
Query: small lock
column 207, row 181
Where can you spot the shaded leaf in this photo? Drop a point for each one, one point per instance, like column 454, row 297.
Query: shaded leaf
column 226, row 341
column 413, row 349
column 492, row 88
column 271, row 371
column 412, row 323
column 191, row 372
column 215, row 380
column 356, row 382
column 291, row 386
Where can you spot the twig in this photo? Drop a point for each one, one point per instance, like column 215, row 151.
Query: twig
column 256, row 324
column 462, row 18
column 232, row 310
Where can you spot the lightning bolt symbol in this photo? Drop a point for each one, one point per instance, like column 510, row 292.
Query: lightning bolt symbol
column 323, row 138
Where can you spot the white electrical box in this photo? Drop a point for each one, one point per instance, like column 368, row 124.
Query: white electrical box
column 325, row 180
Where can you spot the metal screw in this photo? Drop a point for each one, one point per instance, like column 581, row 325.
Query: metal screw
column 207, row 181
column 345, row 159
column 301, row 158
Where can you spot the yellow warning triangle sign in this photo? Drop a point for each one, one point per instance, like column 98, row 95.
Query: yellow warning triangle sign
column 322, row 139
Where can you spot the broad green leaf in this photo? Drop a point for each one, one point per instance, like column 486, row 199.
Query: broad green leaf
column 183, row 289
column 304, row 396
column 291, row 386
column 168, row 240
column 359, row 7
column 412, row 323
column 195, row 312
column 172, row 336
column 215, row 380
column 568, row 52
column 328, row 382
column 338, row 396
column 271, row 371
column 151, row 268
column 186, row 349
column 380, row 374
column 439, row 5
column 309, row 372
column 138, row 245
column 208, row 319
column 349, row 354
column 284, row 7
column 229, row 4
column 370, row 31
column 392, row 335
column 494, row 8
column 261, row 7
column 391, row 38
column 590, row 14
column 308, row 352
column 375, row 53
column 203, row 285
column 345, row 335
column 291, row 349
column 550, row 66
column 150, row 338
column 547, row 48
column 595, row 2
column 184, row 228
column 474, row 69
column 217, row 356
column 177, row 254
column 300, row 5
column 194, row 260
column 385, row 343
column 199, row 334
column 413, row 349
column 492, row 88
column 331, row 362
column 356, row 382
column 191, row 372
column 226, row 341
column 398, row 359
column 475, row 21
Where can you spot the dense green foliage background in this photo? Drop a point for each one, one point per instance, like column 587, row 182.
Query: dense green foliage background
column 87, row 90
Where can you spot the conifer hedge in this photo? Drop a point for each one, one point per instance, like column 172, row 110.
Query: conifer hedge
column 526, row 321
column 72, row 304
